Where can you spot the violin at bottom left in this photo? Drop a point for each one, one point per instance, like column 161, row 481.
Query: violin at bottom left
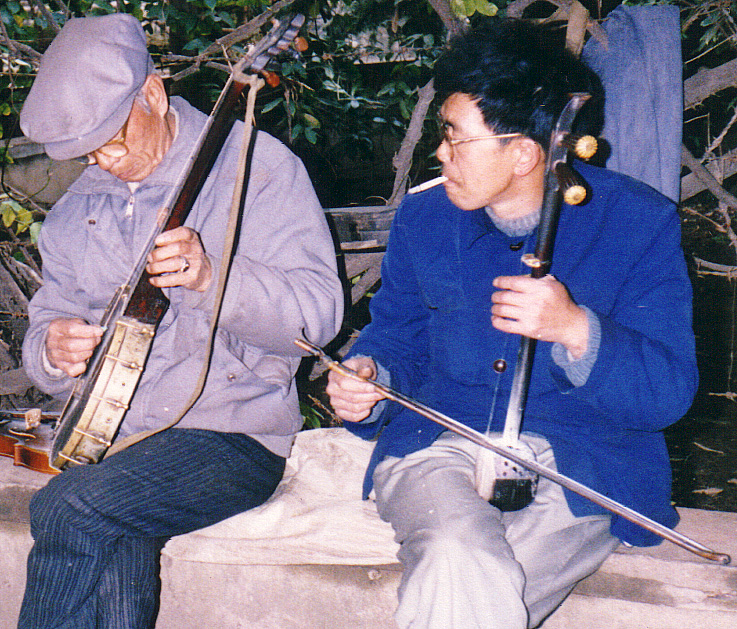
column 28, row 447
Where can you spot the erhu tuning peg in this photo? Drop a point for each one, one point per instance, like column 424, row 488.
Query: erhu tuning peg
column 584, row 146
column 571, row 184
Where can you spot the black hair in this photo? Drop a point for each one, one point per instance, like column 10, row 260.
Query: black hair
column 521, row 76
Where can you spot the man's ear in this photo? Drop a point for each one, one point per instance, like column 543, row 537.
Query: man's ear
column 529, row 155
column 155, row 93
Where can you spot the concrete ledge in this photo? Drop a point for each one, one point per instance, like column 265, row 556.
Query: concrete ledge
column 664, row 587
column 239, row 573
column 277, row 596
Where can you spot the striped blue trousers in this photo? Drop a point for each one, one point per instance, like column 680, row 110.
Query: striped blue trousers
column 98, row 529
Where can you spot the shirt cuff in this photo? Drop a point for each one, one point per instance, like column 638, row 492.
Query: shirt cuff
column 52, row 371
column 578, row 370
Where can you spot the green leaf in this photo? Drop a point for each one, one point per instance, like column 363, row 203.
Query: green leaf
column 486, row 8
column 35, row 230
column 7, row 214
column 311, row 135
column 311, row 120
column 24, row 218
column 269, row 106
column 312, row 419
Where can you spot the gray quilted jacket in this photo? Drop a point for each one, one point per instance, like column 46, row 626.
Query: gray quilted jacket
column 283, row 281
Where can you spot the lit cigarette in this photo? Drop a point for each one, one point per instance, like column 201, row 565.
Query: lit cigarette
column 428, row 184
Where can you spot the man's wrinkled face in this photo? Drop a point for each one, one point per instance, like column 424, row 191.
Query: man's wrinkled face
column 140, row 145
column 477, row 162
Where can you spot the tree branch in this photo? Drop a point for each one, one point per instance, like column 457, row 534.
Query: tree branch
column 708, row 81
column 698, row 169
column 226, row 41
column 691, row 185
column 47, row 14
column 726, row 200
column 453, row 24
column 403, row 159
column 19, row 50
column 517, row 8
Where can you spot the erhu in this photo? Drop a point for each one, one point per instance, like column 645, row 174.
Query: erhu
column 513, row 487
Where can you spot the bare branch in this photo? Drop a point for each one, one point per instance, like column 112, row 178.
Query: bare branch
column 453, row 24
column 715, row 225
column 691, row 185
column 708, row 81
column 226, row 41
column 697, row 168
column 65, row 8
column 17, row 49
column 47, row 14
column 403, row 159
column 247, row 29
column 716, row 143
column 517, row 8
column 726, row 200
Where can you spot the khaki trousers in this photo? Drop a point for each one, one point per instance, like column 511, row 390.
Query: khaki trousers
column 466, row 564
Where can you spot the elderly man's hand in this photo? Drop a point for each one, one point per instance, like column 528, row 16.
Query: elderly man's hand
column 70, row 343
column 352, row 399
column 179, row 260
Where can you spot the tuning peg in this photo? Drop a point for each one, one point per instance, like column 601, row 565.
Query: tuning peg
column 571, row 184
column 584, row 146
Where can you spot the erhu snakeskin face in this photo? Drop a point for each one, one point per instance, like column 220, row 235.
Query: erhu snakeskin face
column 507, row 485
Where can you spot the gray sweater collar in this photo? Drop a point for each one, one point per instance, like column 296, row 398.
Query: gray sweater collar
column 515, row 226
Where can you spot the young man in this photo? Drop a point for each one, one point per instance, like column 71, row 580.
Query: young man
column 615, row 361
column 98, row 528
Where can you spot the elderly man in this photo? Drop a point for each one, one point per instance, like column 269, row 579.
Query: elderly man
column 98, row 529
column 615, row 361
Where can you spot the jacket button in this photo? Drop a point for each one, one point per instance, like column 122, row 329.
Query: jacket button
column 500, row 365
column 516, row 246
column 231, row 377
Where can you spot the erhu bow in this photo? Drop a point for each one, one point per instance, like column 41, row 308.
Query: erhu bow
column 97, row 405
column 564, row 481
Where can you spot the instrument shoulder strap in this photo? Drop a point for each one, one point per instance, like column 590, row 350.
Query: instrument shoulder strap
column 235, row 218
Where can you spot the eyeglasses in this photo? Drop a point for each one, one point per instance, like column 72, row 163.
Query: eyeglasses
column 114, row 148
column 445, row 134
column 478, row 137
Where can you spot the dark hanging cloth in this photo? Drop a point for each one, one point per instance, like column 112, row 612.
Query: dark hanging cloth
column 642, row 76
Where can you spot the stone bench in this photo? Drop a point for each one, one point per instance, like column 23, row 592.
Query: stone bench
column 317, row 556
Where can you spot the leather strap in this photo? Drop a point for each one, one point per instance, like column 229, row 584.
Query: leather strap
column 235, row 217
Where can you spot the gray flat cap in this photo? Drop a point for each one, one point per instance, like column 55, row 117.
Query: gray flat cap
column 86, row 84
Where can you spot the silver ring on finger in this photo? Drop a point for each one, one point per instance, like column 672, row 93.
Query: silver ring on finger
column 185, row 265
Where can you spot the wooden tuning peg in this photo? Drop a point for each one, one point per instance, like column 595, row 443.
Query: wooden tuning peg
column 584, row 146
column 571, row 184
